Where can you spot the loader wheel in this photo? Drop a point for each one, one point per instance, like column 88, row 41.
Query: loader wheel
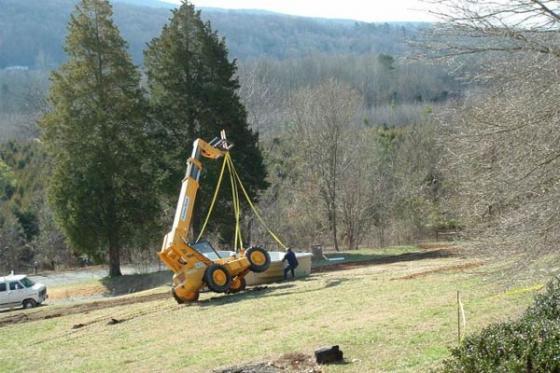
column 217, row 278
column 259, row 259
column 237, row 284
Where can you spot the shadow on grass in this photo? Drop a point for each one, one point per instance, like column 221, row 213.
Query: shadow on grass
column 268, row 291
column 250, row 293
column 330, row 283
column 356, row 260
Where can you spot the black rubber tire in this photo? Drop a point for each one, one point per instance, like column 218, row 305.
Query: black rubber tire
column 209, row 278
column 258, row 268
column 241, row 287
column 29, row 303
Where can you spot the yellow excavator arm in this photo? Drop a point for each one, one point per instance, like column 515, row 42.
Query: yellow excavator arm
column 194, row 270
column 175, row 242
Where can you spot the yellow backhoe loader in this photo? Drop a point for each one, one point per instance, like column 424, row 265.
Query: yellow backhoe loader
column 198, row 265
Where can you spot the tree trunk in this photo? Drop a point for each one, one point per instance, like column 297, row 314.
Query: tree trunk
column 335, row 239
column 249, row 233
column 350, row 237
column 114, row 260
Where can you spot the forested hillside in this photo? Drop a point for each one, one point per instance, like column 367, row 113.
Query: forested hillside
column 387, row 190
column 342, row 135
column 32, row 32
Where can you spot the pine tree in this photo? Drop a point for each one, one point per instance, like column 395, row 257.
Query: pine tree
column 193, row 90
column 101, row 188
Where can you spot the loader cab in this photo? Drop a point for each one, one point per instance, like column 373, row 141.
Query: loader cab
column 206, row 249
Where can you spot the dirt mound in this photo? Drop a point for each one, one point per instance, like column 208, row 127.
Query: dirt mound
column 456, row 268
column 45, row 312
column 293, row 362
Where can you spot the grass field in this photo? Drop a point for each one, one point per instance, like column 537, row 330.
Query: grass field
column 397, row 315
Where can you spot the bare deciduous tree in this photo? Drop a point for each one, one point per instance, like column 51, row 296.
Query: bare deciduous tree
column 359, row 188
column 502, row 143
column 323, row 120
column 474, row 26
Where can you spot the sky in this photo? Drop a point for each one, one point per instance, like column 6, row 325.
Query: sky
column 361, row 10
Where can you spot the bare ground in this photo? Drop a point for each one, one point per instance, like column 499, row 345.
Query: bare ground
column 450, row 268
column 293, row 362
column 45, row 312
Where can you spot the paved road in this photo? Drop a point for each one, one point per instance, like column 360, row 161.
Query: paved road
column 92, row 273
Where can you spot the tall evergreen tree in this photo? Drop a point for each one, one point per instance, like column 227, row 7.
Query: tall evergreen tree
column 193, row 90
column 101, row 188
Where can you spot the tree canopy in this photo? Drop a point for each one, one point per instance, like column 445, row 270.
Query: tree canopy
column 193, row 90
column 101, row 187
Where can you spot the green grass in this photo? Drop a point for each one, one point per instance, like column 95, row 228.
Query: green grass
column 380, row 323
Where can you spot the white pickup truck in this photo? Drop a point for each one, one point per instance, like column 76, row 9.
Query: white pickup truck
column 19, row 290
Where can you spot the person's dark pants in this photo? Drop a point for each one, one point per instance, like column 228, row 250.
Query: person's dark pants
column 289, row 268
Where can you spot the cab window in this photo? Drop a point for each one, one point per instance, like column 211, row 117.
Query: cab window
column 27, row 282
column 15, row 285
column 2, row 286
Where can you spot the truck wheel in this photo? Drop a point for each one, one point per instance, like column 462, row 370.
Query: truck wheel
column 237, row 284
column 217, row 278
column 29, row 303
column 259, row 259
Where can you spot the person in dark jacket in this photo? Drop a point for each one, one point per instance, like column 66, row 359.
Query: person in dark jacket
column 290, row 257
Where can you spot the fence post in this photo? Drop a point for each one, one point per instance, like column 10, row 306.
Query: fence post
column 461, row 320
column 458, row 317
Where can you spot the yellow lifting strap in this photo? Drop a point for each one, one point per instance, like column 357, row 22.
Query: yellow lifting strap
column 253, row 207
column 214, row 197
column 236, row 205
column 234, row 176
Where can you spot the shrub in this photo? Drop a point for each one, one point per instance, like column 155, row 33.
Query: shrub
column 530, row 344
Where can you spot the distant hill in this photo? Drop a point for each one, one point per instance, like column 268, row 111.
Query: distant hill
column 148, row 3
column 32, row 32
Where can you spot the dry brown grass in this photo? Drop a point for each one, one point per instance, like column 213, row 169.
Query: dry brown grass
column 86, row 290
column 45, row 313
column 449, row 268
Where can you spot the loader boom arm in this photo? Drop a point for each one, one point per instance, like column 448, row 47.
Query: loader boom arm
column 174, row 251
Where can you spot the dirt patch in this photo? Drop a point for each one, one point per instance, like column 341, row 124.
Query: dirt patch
column 83, row 291
column 115, row 321
column 407, row 257
column 112, row 286
column 451, row 268
column 293, row 362
column 46, row 313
